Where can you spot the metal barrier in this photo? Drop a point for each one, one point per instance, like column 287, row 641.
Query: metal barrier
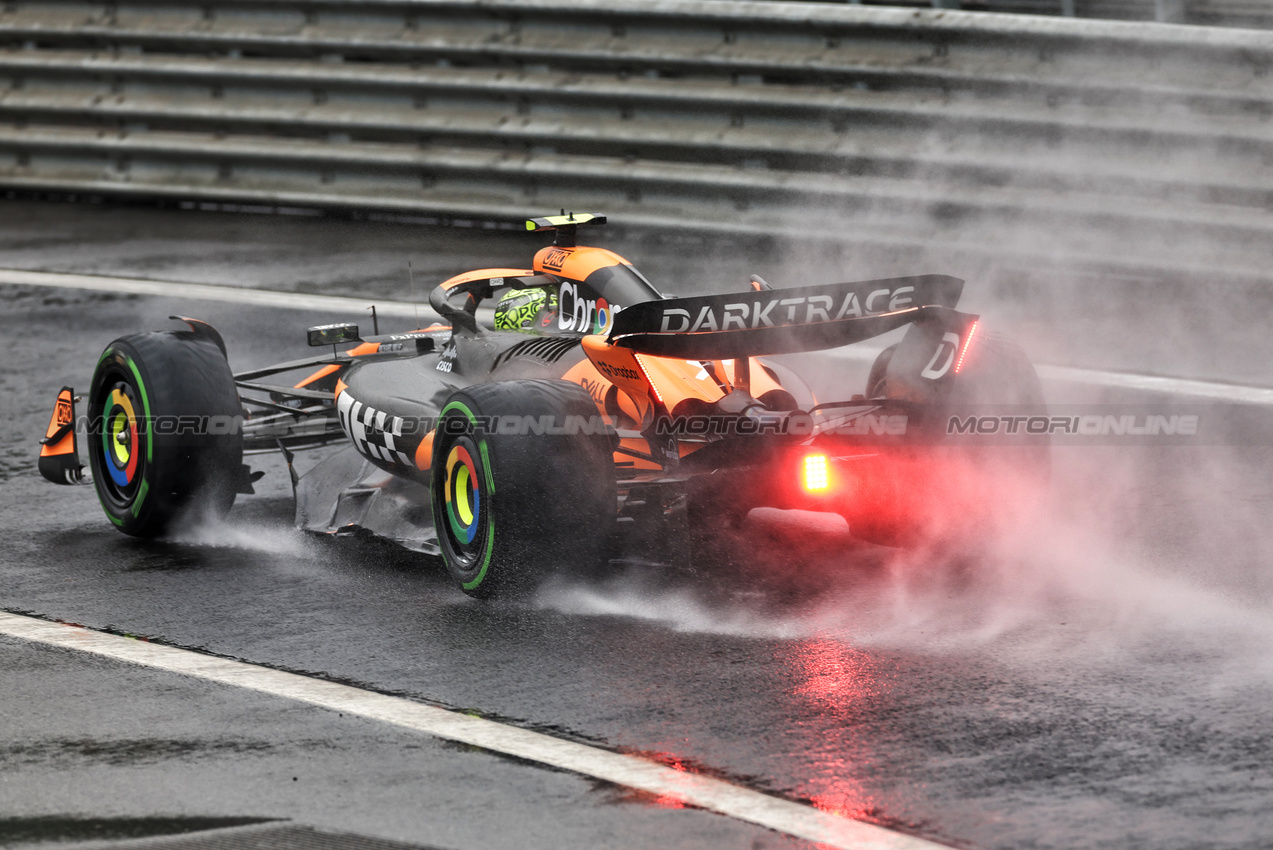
column 898, row 134
column 1230, row 13
column 1133, row 10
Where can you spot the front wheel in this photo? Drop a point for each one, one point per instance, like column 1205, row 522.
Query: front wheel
column 164, row 440
column 523, row 484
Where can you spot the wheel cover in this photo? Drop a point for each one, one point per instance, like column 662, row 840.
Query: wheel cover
column 120, row 437
column 463, row 494
column 121, row 446
column 465, row 500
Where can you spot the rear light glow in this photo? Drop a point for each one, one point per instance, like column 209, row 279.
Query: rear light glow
column 817, row 478
column 649, row 380
column 963, row 352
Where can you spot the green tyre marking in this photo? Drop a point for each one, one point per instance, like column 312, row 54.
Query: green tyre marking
column 135, row 508
column 477, row 580
column 463, row 408
column 145, row 403
column 141, row 494
column 486, row 465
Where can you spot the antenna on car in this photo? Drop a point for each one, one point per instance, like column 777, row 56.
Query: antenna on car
column 414, row 295
column 566, row 225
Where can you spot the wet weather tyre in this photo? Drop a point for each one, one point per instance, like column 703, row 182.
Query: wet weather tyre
column 957, row 496
column 513, row 503
column 165, row 440
column 875, row 387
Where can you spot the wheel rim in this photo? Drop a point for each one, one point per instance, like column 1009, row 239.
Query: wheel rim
column 464, row 502
column 121, row 449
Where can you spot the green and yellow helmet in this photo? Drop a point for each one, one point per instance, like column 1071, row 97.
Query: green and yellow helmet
column 522, row 309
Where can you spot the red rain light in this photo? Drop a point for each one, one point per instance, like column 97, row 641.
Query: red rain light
column 963, row 352
column 817, row 478
column 655, row 387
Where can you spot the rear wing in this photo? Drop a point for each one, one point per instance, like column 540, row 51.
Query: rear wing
column 780, row 321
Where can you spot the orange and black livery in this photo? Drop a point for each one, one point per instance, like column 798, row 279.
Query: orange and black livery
column 609, row 422
column 59, row 449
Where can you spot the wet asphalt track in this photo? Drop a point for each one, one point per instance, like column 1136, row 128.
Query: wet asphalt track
column 1102, row 679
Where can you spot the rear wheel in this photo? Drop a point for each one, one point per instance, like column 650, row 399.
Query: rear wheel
column 513, row 502
column 956, row 495
column 165, row 440
column 875, row 381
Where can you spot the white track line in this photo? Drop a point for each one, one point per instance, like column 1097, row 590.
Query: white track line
column 705, row 792
column 1209, row 390
column 211, row 292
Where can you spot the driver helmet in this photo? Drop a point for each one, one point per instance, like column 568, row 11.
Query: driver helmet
column 522, row 309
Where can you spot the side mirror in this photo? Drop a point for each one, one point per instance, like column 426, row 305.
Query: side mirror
column 333, row 334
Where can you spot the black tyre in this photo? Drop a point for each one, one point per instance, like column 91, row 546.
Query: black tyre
column 875, row 380
column 956, row 495
column 511, row 505
column 165, row 438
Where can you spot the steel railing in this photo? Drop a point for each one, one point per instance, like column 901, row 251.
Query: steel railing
column 1230, row 13
column 899, row 134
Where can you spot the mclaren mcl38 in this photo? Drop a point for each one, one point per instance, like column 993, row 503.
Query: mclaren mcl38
column 596, row 418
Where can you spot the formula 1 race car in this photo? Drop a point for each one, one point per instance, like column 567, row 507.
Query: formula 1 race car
column 598, row 418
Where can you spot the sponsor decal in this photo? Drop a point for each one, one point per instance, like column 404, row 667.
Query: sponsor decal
column 595, row 389
column 63, row 412
column 614, row 371
column 555, row 259
column 777, row 311
column 374, row 433
column 604, row 315
column 446, row 361
column 584, row 314
column 415, row 335
column 943, row 357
